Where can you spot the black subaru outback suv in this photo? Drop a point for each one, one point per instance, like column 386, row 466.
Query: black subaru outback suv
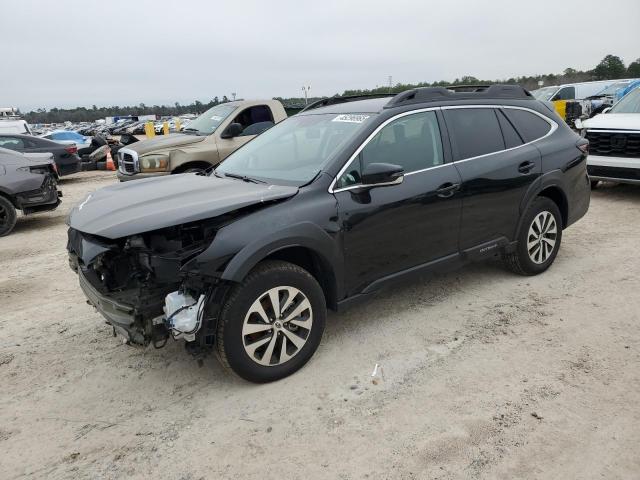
column 325, row 208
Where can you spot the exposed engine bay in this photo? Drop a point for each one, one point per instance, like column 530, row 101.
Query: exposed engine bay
column 138, row 285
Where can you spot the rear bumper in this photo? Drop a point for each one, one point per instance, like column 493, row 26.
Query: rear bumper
column 44, row 198
column 614, row 169
column 69, row 168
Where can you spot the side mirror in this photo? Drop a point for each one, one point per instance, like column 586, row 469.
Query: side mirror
column 233, row 130
column 606, row 110
column 382, row 174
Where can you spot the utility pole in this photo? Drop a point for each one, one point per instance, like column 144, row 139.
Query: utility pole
column 233, row 94
column 306, row 94
column 390, row 83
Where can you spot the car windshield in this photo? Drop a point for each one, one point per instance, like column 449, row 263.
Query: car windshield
column 613, row 89
column 545, row 94
column 207, row 123
column 630, row 103
column 295, row 150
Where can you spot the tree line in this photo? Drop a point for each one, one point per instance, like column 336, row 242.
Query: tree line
column 610, row 67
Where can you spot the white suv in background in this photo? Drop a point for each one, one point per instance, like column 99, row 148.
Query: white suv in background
column 614, row 142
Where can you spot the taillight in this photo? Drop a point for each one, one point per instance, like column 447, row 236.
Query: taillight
column 71, row 149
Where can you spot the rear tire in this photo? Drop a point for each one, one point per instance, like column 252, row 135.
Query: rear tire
column 8, row 216
column 256, row 342
column 539, row 239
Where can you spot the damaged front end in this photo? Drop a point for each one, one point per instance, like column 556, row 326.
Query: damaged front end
column 139, row 285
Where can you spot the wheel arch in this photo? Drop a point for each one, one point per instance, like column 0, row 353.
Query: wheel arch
column 557, row 195
column 549, row 186
column 192, row 164
column 304, row 244
column 10, row 198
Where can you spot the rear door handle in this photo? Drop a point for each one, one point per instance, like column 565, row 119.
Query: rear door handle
column 447, row 190
column 526, row 167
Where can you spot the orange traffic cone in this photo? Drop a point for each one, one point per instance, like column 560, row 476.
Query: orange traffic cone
column 110, row 164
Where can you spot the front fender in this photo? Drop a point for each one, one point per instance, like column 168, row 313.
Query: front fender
column 240, row 245
column 304, row 234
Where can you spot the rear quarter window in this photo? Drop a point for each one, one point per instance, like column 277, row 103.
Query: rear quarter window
column 474, row 132
column 529, row 125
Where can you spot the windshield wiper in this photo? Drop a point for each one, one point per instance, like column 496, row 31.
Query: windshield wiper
column 197, row 132
column 244, row 178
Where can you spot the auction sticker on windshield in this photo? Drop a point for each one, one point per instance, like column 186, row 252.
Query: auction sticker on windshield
column 350, row 118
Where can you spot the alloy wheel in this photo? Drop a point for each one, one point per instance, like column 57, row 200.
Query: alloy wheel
column 277, row 326
column 542, row 236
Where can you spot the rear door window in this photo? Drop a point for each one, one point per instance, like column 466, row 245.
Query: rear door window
column 511, row 137
column 12, row 143
column 529, row 125
column 474, row 132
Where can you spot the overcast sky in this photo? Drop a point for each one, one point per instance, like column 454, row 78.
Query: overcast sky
column 121, row 52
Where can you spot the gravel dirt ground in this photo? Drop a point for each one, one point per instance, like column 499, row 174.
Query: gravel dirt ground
column 486, row 375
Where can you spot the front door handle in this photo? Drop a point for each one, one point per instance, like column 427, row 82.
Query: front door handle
column 526, row 167
column 447, row 190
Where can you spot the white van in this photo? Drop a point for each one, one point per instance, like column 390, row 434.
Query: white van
column 14, row 126
column 571, row 91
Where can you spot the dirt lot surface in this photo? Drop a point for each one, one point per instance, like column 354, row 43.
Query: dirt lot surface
column 486, row 375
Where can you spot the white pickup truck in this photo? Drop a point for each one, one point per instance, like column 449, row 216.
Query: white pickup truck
column 614, row 142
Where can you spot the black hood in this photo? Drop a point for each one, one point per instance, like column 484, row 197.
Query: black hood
column 136, row 207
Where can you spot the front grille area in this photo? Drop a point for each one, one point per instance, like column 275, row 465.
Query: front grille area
column 614, row 172
column 614, row 144
column 127, row 163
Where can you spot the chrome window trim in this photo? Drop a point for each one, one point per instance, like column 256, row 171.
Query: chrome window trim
column 553, row 127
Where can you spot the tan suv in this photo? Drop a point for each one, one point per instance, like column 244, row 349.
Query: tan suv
column 205, row 142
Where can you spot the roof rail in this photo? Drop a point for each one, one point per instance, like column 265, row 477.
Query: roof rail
column 435, row 94
column 467, row 88
column 336, row 99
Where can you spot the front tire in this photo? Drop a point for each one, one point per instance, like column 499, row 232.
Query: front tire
column 8, row 216
column 539, row 239
column 272, row 323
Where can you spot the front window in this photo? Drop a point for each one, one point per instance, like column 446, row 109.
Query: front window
column 295, row 150
column 207, row 123
column 412, row 142
column 630, row 103
column 566, row 93
column 545, row 93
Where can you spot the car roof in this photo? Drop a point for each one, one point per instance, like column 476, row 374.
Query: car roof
column 370, row 105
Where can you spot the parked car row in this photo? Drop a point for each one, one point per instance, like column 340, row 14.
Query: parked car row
column 585, row 99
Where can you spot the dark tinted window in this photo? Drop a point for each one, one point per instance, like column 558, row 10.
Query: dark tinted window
column 511, row 137
column 474, row 131
column 255, row 120
column 529, row 125
column 566, row 93
column 413, row 142
column 12, row 143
